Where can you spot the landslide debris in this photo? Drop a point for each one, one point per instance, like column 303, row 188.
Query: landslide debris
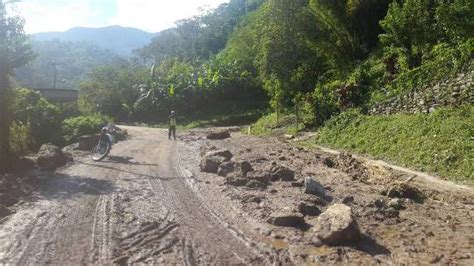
column 317, row 207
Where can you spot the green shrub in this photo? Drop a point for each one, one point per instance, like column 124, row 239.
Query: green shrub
column 41, row 117
column 439, row 142
column 443, row 62
column 75, row 127
column 20, row 138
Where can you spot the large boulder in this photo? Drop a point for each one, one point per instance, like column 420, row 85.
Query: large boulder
column 281, row 173
column 218, row 135
column 211, row 161
column 245, row 167
column 236, row 181
column 86, row 143
column 210, row 164
column 337, row 226
column 286, row 218
column 313, row 187
column 50, row 157
column 226, row 154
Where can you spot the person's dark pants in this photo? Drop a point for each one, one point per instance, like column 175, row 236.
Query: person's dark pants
column 172, row 130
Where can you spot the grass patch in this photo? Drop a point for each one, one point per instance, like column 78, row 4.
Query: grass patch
column 441, row 142
column 271, row 125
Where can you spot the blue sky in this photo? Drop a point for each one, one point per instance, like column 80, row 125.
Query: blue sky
column 148, row 15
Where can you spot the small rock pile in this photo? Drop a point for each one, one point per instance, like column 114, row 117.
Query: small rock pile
column 334, row 226
column 241, row 172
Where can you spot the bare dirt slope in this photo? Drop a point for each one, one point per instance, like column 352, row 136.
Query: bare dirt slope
column 133, row 207
column 150, row 203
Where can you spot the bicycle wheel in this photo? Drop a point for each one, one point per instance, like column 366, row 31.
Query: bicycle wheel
column 100, row 151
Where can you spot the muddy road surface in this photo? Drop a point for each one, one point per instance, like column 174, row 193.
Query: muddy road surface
column 135, row 206
column 152, row 202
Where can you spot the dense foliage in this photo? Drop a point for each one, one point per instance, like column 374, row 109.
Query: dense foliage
column 74, row 127
column 14, row 52
column 40, row 118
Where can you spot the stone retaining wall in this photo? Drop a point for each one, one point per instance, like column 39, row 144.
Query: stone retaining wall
column 452, row 92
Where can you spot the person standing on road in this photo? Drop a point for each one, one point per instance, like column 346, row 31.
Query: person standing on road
column 172, row 125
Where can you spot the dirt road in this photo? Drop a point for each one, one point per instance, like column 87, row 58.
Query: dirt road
column 134, row 207
column 150, row 203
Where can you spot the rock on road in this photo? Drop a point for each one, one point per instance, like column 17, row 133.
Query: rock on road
column 133, row 207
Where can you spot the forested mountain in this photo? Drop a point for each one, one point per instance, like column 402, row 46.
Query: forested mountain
column 120, row 40
column 71, row 61
column 323, row 56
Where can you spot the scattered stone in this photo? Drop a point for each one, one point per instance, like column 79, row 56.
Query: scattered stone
column 225, row 168
column 226, row 154
column 256, row 184
column 306, row 208
column 273, row 191
column 251, row 199
column 282, row 173
column 297, row 184
column 348, row 200
column 396, row 203
column 282, row 158
column 50, row 157
column 288, row 136
column 337, row 226
column 329, row 162
column 314, row 187
column 245, row 167
column 404, row 191
column 236, row 181
column 287, row 219
column 382, row 211
column 218, row 135
column 263, row 177
column 211, row 164
column 315, row 241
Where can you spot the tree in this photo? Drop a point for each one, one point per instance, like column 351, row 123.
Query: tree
column 14, row 52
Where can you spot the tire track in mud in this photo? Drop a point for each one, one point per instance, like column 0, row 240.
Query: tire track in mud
column 212, row 238
column 124, row 212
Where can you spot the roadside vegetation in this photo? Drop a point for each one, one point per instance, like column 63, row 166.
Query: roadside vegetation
column 440, row 142
column 305, row 60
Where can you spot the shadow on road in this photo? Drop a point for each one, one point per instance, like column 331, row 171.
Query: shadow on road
column 124, row 160
column 99, row 165
column 66, row 186
column 370, row 246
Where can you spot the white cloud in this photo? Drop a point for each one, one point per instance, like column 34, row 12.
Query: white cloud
column 157, row 15
column 41, row 17
column 149, row 15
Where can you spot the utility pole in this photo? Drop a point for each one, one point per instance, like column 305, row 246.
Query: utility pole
column 54, row 74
